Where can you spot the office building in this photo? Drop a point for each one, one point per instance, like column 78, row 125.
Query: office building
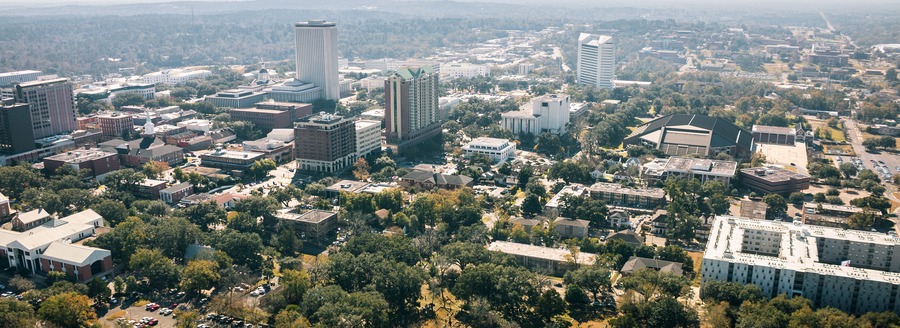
column 853, row 271
column 52, row 104
column 317, row 56
column 276, row 150
column 774, row 180
column 549, row 113
column 264, row 119
column 411, row 113
column 230, row 160
column 16, row 133
column 296, row 110
column 8, row 78
column 498, row 150
column 368, row 137
column 596, row 64
column 615, row 194
column 463, row 71
column 690, row 168
column 294, row 90
column 175, row 76
column 314, row 224
column 543, row 259
column 325, row 143
column 831, row 215
column 147, row 91
column 235, row 98
column 686, row 134
column 99, row 162
column 114, row 124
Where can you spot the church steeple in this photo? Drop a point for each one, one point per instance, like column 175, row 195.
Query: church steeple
column 149, row 126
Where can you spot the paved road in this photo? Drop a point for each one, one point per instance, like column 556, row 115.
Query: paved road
column 854, row 136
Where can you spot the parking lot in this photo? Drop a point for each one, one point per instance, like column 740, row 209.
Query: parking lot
column 131, row 316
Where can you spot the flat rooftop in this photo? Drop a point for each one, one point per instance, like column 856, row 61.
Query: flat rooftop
column 773, row 129
column 80, row 155
column 5, row 74
column 701, row 166
column 234, row 154
column 311, row 216
column 348, row 186
column 364, row 124
column 540, row 252
column 798, row 251
column 773, row 174
column 258, row 110
column 488, row 142
column 616, row 188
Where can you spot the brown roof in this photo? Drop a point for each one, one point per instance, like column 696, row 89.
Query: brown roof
column 636, row 263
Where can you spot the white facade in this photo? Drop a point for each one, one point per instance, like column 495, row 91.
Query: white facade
column 18, row 76
column 175, row 76
column 368, row 137
column 148, row 91
column 854, row 271
column 596, row 60
column 463, row 70
column 24, row 249
column 498, row 150
column 317, row 56
column 549, row 113
column 525, row 68
column 196, row 125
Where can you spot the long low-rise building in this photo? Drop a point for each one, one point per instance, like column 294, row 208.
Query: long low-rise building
column 854, row 271
column 617, row 195
column 690, row 168
column 774, row 180
column 498, row 150
column 543, row 259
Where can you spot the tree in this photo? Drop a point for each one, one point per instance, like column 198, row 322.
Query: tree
column 291, row 318
column 669, row 312
column 205, row 214
column 178, row 233
column 98, row 289
column 591, row 278
column 67, row 310
column 15, row 313
column 243, row 248
column 295, row 284
column 862, row 220
column 571, row 172
column 260, row 168
column 20, row 284
column 525, row 174
column 777, row 206
column 112, row 211
column 186, row 319
column 154, row 169
column 361, row 169
column 849, row 170
column 730, row 292
column 199, row 275
column 160, row 271
column 532, row 204
column 390, row 199
column 796, row 198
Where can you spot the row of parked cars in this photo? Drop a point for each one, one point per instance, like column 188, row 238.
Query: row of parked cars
column 224, row 320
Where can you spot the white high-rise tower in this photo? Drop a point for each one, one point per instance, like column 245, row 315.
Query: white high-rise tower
column 596, row 60
column 317, row 56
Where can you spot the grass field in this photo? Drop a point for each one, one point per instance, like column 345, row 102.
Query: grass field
column 836, row 135
column 867, row 135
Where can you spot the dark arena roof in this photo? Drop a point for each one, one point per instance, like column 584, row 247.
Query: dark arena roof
column 685, row 134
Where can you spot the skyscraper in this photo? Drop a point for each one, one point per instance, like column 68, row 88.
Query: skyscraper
column 412, row 112
column 16, row 135
column 596, row 60
column 325, row 143
column 317, row 56
column 52, row 104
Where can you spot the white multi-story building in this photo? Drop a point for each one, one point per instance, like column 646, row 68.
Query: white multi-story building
column 368, row 137
column 148, row 91
column 549, row 113
column 525, row 68
column 196, row 125
column 854, row 271
column 8, row 78
column 596, row 60
column 175, row 76
column 317, row 56
column 498, row 150
column 463, row 70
